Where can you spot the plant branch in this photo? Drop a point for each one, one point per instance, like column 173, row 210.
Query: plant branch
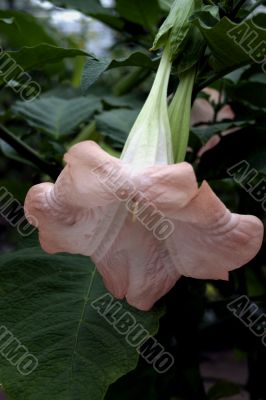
column 26, row 151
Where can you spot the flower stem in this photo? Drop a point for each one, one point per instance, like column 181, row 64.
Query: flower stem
column 179, row 114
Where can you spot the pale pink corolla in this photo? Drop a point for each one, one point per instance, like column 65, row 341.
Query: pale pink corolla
column 81, row 214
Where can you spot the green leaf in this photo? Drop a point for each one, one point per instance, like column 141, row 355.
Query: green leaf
column 29, row 58
column 246, row 92
column 222, row 390
column 176, row 26
column 192, row 52
column 233, row 45
column 57, row 116
column 204, row 133
column 46, row 303
column 195, row 42
column 25, row 29
column 94, row 9
column 127, row 101
column 142, row 12
column 116, row 124
column 9, row 152
column 95, row 67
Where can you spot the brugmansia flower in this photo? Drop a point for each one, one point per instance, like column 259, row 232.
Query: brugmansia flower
column 142, row 218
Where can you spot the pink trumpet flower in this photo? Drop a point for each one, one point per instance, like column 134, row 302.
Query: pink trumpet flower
column 82, row 214
column 142, row 218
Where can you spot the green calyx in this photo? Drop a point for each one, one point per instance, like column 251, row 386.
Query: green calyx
column 179, row 114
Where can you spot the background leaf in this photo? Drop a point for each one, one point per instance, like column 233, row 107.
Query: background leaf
column 46, row 303
column 228, row 53
column 142, row 12
column 95, row 67
column 116, row 124
column 26, row 30
column 9, row 152
column 29, row 58
column 204, row 133
column 58, row 116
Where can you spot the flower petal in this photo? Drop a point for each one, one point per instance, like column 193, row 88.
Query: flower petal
column 208, row 241
column 73, row 229
column 75, row 214
column 137, row 267
column 90, row 176
column 168, row 187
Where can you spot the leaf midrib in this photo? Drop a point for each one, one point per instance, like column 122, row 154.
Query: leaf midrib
column 91, row 281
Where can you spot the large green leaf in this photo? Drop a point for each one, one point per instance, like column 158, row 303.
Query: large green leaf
column 26, row 30
column 46, row 303
column 94, row 9
column 95, row 67
column 57, row 116
column 143, row 12
column 29, row 58
column 232, row 44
